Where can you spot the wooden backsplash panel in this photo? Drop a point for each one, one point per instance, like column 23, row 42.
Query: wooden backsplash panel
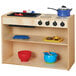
column 44, row 31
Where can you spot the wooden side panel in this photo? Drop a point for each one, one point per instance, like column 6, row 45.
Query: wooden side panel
column 71, row 41
column 7, row 49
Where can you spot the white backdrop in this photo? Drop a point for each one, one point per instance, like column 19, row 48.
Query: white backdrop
column 38, row 6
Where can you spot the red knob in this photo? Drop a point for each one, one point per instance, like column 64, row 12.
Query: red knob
column 24, row 11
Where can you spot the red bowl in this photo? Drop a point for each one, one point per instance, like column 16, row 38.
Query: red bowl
column 24, row 55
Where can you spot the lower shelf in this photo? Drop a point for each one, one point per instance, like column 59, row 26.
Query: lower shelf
column 35, row 62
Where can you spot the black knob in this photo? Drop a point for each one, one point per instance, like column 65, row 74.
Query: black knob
column 40, row 22
column 63, row 6
column 47, row 23
column 54, row 23
column 62, row 24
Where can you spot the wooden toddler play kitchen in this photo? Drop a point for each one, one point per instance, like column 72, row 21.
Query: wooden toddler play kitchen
column 35, row 39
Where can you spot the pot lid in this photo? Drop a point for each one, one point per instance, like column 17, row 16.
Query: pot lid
column 64, row 8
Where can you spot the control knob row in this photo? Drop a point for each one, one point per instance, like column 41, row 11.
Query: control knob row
column 54, row 23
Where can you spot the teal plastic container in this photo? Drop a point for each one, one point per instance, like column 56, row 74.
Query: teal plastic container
column 50, row 57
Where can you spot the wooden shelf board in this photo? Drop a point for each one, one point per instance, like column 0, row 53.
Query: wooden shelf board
column 35, row 26
column 35, row 62
column 36, row 39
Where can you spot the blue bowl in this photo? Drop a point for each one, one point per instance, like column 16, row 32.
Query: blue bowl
column 21, row 37
column 50, row 58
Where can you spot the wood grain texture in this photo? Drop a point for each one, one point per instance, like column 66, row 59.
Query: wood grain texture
column 7, row 49
column 71, row 41
column 37, row 40
column 33, row 21
column 65, row 49
column 37, row 55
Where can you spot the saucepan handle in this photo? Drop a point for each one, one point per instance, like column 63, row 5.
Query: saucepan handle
column 52, row 8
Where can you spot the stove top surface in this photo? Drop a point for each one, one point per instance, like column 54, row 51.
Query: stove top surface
column 51, row 16
column 20, row 14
